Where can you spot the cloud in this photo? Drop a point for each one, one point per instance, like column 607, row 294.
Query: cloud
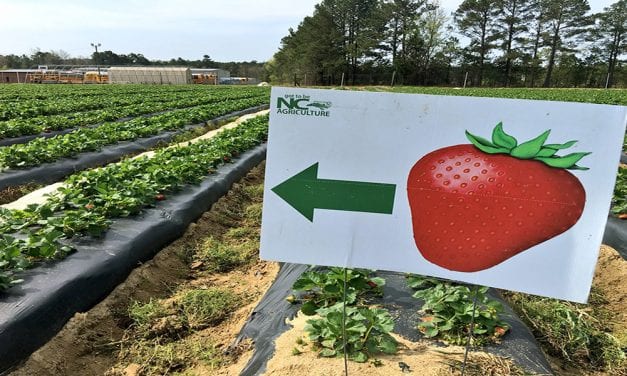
column 226, row 29
column 142, row 14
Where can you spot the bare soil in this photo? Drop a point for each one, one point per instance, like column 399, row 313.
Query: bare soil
column 610, row 278
column 418, row 358
column 11, row 194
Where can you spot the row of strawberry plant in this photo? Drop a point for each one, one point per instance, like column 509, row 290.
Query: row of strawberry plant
column 89, row 200
column 448, row 311
column 14, row 93
column 113, row 111
column 613, row 97
column 108, row 94
column 619, row 201
column 32, row 108
column 366, row 330
column 109, row 110
column 45, row 150
column 39, row 91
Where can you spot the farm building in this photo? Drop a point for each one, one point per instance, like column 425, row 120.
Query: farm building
column 209, row 76
column 239, row 81
column 15, row 76
column 149, row 75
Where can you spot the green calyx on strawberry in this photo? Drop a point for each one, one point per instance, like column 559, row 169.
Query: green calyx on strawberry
column 476, row 205
column 536, row 149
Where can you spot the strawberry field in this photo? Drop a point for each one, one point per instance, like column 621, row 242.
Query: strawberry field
column 189, row 309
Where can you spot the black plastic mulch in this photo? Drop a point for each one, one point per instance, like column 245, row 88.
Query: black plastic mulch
column 34, row 311
column 48, row 173
column 267, row 322
column 616, row 235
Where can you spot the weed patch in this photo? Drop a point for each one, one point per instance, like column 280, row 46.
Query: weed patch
column 143, row 315
column 239, row 245
column 203, row 308
column 220, row 256
column 173, row 358
column 577, row 333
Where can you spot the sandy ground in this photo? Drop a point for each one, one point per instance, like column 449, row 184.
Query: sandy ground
column 87, row 344
column 90, row 342
column 421, row 358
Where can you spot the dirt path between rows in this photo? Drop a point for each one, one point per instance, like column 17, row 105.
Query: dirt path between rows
column 90, row 342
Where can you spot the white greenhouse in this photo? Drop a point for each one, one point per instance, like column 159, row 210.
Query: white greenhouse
column 149, row 75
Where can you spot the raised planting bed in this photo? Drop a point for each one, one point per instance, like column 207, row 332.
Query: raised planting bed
column 383, row 302
column 22, row 130
column 61, row 99
column 616, row 229
column 46, row 150
column 51, row 172
column 36, row 306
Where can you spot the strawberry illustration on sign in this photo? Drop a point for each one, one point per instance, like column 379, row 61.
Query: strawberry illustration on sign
column 476, row 205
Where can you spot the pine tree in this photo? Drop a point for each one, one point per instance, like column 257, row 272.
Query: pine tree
column 610, row 36
column 565, row 20
column 512, row 22
column 475, row 19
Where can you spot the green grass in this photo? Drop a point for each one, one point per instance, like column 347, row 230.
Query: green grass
column 190, row 310
column 203, row 308
column 240, row 243
column 143, row 315
column 222, row 256
column 579, row 334
column 173, row 358
column 253, row 214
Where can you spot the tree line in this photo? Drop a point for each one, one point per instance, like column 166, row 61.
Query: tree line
column 522, row 43
column 110, row 58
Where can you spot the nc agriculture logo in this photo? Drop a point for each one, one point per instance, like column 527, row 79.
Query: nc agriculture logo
column 296, row 104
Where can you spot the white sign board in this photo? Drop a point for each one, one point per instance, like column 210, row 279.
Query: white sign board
column 470, row 189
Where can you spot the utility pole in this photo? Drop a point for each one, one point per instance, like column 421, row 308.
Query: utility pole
column 96, row 45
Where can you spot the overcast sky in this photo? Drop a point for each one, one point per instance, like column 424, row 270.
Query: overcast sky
column 226, row 30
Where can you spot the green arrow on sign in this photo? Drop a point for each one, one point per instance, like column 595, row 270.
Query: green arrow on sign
column 305, row 192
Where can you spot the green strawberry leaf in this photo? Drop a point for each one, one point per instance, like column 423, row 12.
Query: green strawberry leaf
column 485, row 145
column 431, row 332
column 529, row 149
column 360, row 357
column 388, row 344
column 502, row 139
column 309, row 308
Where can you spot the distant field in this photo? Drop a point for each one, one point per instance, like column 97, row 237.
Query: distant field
column 601, row 96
